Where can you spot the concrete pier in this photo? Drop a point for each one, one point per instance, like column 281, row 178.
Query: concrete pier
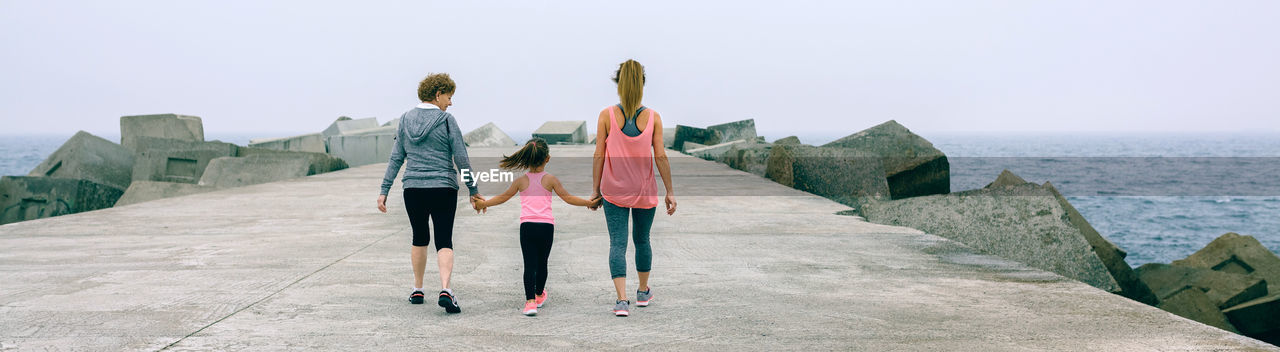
column 309, row 263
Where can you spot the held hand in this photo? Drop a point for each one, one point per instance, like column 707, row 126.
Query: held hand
column 671, row 204
column 477, row 203
column 596, row 201
column 382, row 203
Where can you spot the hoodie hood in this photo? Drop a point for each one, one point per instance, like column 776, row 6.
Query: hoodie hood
column 419, row 126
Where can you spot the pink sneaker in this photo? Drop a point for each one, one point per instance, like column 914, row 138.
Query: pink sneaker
column 530, row 308
column 542, row 298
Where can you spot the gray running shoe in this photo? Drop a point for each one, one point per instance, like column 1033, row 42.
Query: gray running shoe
column 622, row 308
column 643, row 297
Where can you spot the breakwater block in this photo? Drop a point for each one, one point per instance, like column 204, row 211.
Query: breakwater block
column 319, row 162
column 170, row 126
column 89, row 157
column 1259, row 318
column 1224, row 289
column 344, row 125
column 737, row 130
column 387, row 130
column 700, row 136
column 1023, row 223
column 788, row 140
column 752, row 156
column 313, row 143
column 712, row 152
column 172, row 160
column 1191, row 303
column 488, row 135
column 1112, row 256
column 143, row 191
column 227, row 172
column 914, row 167
column 668, row 137
column 1237, row 254
column 563, row 132
column 362, row 150
column 393, row 123
column 25, row 198
column 847, row 176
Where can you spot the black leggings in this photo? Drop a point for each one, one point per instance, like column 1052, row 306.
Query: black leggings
column 535, row 243
column 439, row 204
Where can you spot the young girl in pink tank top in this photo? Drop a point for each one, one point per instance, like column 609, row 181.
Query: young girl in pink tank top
column 537, row 225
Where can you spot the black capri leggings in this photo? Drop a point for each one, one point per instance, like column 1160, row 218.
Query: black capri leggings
column 535, row 244
column 439, row 204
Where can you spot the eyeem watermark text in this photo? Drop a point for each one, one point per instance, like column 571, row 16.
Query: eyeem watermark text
column 491, row 175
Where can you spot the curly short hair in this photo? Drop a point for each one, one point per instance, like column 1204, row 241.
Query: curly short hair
column 435, row 83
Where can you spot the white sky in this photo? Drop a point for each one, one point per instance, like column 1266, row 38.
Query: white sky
column 807, row 67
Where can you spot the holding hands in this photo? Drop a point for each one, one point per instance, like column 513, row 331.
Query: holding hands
column 478, row 203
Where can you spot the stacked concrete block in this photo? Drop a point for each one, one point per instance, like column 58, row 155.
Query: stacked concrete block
column 751, row 156
column 1224, row 289
column 1112, row 256
column 228, row 172
column 700, row 136
column 387, row 130
column 562, row 132
column 913, row 166
column 788, row 140
column 669, row 137
column 737, row 130
column 168, row 126
column 92, row 158
column 393, row 123
column 313, row 143
column 344, row 125
column 847, row 176
column 1191, row 303
column 362, row 150
column 319, row 162
column 1024, row 223
column 713, row 152
column 488, row 135
column 25, row 198
column 171, row 160
column 1244, row 255
column 144, row 191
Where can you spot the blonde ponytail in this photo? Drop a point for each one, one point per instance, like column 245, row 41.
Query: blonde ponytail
column 630, row 79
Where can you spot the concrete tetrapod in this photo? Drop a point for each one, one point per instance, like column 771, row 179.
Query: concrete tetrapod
column 89, row 157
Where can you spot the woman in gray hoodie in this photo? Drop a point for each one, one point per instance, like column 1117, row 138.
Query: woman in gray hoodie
column 429, row 145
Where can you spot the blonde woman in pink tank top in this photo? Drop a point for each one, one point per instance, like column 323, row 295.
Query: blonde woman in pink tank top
column 628, row 145
column 537, row 225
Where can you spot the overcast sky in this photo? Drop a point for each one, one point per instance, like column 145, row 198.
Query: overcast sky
column 807, row 67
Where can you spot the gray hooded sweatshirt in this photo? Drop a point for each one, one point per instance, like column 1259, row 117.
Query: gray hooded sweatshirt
column 429, row 145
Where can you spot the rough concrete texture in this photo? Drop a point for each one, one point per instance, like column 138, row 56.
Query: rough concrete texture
column 1237, row 254
column 319, row 162
column 1191, row 303
column 711, row 152
column 562, row 132
column 170, row 126
column 145, row 191
column 1111, row 255
column 752, row 157
column 393, row 123
column 25, row 198
column 344, row 124
column 700, row 136
column 488, row 135
column 89, row 157
column 744, row 130
column 1006, row 178
column 388, row 130
column 362, row 150
column 914, row 166
column 310, row 264
column 229, row 172
column 848, row 176
column 1259, row 318
column 172, row 160
column 1022, row 223
column 313, row 143
column 788, row 140
column 1224, row 289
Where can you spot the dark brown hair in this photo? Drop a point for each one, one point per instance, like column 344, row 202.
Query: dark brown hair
column 435, row 83
column 533, row 154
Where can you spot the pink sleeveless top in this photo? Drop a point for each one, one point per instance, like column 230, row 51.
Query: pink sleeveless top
column 535, row 201
column 628, row 179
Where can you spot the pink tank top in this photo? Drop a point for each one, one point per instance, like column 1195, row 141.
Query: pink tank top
column 535, row 201
column 628, row 179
